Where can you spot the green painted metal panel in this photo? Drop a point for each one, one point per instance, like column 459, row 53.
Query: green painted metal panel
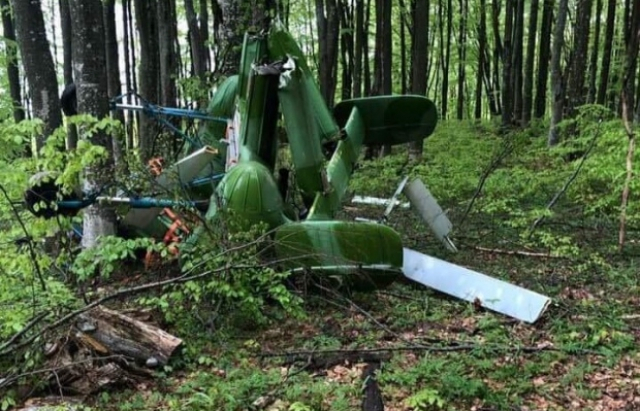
column 334, row 243
column 250, row 192
column 338, row 246
column 391, row 119
column 339, row 169
column 282, row 46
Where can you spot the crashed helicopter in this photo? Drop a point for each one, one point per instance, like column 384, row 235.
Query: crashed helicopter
column 232, row 166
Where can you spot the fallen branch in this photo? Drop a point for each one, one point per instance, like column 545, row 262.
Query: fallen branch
column 4, row 347
column 520, row 253
column 495, row 163
column 305, row 355
column 566, row 185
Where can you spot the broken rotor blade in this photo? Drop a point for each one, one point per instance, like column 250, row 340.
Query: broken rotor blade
column 472, row 286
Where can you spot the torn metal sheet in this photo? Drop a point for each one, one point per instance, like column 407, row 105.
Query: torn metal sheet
column 423, row 202
column 377, row 201
column 182, row 172
column 460, row 282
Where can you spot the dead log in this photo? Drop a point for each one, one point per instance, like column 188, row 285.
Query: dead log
column 111, row 333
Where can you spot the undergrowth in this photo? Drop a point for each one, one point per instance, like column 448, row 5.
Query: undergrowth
column 494, row 187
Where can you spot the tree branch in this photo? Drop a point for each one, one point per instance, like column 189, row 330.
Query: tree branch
column 566, row 185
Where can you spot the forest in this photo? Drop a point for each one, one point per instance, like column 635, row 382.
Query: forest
column 527, row 140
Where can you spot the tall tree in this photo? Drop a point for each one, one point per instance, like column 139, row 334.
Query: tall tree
column 507, row 74
column 607, row 50
column 462, row 56
column 419, row 59
column 383, row 53
column 145, row 13
column 38, row 65
column 328, row 21
column 527, row 93
column 11, row 55
column 167, row 41
column 482, row 61
column 593, row 63
column 360, row 38
column 543, row 59
column 445, row 54
column 556, row 72
column 67, row 62
column 517, row 59
column 196, row 40
column 114, row 85
column 238, row 16
column 91, row 79
column 576, row 95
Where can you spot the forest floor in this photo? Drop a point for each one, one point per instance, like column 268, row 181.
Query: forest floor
column 439, row 353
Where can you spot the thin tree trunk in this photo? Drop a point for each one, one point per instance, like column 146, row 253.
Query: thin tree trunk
column 114, row 86
column 540, row 104
column 11, row 56
column 91, row 79
column 527, row 99
column 556, row 73
column 360, row 38
column 168, row 55
column 593, row 65
column 603, row 87
column 126, row 18
column 482, row 42
column 517, row 59
column 507, row 75
column 575, row 87
column 328, row 39
column 462, row 64
column 419, row 44
column 38, row 65
column 196, row 40
column 145, row 13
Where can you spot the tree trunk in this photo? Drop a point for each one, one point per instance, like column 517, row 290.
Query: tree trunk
column 196, row 40
column 239, row 16
column 67, row 49
column 419, row 43
column 360, row 38
column 11, row 55
column 91, row 79
column 517, row 59
column 38, row 65
column 114, row 86
column 383, row 55
column 128, row 58
column 556, row 73
column 575, row 87
column 462, row 51
column 540, row 104
column 603, row 87
column 145, row 13
column 482, row 43
column 593, row 64
column 167, row 40
column 507, row 74
column 328, row 22
column 446, row 57
column 498, row 53
column 347, row 48
column 527, row 98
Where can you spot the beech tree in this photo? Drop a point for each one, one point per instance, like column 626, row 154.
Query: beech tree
column 38, row 65
column 90, row 67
